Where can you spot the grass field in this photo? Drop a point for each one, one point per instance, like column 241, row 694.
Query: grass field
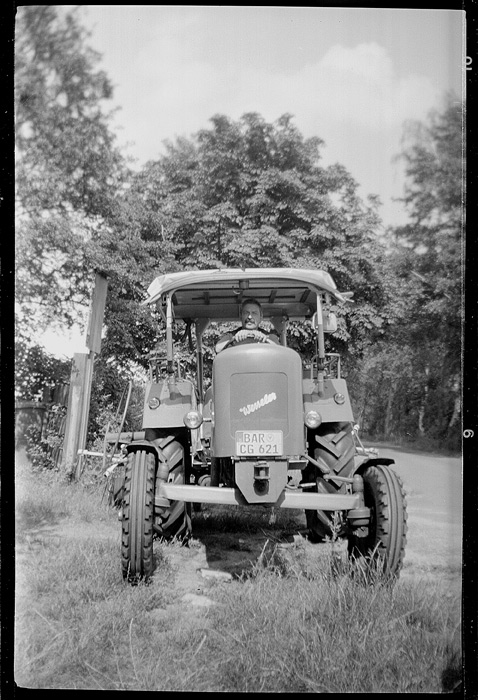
column 287, row 619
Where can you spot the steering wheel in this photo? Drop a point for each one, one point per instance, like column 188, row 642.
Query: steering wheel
column 244, row 335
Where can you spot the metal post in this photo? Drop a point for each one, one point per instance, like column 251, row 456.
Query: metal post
column 169, row 335
column 320, row 347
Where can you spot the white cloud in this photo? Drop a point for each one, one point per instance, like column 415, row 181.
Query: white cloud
column 348, row 86
column 369, row 61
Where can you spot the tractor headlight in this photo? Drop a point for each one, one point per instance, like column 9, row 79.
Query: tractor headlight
column 312, row 419
column 339, row 398
column 192, row 420
column 153, row 403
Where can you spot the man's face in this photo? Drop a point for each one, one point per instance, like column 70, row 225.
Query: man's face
column 251, row 316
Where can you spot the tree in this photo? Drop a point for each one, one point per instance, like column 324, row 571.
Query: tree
column 425, row 268
column 37, row 371
column 434, row 197
column 66, row 159
column 435, row 194
column 250, row 193
column 68, row 171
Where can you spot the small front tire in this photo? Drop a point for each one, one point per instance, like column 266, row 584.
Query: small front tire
column 385, row 536
column 137, row 517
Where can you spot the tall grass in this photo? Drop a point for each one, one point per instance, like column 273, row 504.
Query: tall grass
column 335, row 635
column 47, row 497
column 290, row 623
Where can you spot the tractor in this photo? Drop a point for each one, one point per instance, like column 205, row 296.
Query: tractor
column 235, row 434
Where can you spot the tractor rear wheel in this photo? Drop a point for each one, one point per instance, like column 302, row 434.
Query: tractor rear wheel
column 385, row 537
column 176, row 522
column 334, row 449
column 137, row 516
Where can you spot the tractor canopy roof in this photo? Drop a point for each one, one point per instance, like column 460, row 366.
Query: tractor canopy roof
column 218, row 294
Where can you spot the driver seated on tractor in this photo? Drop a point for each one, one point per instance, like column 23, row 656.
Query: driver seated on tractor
column 251, row 316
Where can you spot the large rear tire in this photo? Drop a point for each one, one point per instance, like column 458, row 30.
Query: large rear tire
column 334, row 450
column 176, row 522
column 385, row 537
column 137, row 517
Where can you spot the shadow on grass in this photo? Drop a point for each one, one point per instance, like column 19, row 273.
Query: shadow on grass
column 452, row 676
column 237, row 543
column 251, row 541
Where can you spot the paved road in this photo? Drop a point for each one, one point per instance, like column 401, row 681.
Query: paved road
column 434, row 495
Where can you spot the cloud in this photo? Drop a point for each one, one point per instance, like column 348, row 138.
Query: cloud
column 348, row 86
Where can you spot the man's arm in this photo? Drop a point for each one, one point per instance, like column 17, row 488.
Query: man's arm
column 223, row 341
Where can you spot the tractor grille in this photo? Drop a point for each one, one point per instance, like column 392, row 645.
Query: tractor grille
column 259, row 401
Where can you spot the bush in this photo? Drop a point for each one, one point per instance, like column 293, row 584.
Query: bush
column 44, row 443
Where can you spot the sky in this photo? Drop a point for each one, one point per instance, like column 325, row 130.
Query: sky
column 350, row 76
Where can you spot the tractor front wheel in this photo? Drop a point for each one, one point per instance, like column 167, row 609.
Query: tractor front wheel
column 137, row 516
column 385, row 536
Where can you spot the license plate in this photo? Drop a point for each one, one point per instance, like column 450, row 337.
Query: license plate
column 263, row 443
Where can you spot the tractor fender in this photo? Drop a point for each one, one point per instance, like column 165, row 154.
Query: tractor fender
column 371, row 462
column 147, row 446
column 163, row 448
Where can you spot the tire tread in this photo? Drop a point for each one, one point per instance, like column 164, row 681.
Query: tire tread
column 390, row 534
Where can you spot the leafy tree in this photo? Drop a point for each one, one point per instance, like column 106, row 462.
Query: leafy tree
column 71, row 189
column 250, row 194
column 71, row 218
column 425, row 268
column 66, row 158
column 37, row 370
column 68, row 171
column 435, row 197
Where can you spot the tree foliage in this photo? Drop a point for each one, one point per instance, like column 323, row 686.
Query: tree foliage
column 422, row 395
column 37, row 371
column 68, row 171
column 65, row 154
column 249, row 193
column 434, row 197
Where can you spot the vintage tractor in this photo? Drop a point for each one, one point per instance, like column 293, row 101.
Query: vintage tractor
column 266, row 413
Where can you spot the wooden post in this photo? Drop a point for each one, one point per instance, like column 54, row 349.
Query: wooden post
column 73, row 413
column 81, row 380
column 97, row 310
column 85, row 409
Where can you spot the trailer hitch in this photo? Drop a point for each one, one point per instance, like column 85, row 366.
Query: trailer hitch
column 261, row 477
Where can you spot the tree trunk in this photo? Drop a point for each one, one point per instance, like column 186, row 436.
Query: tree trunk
column 388, row 410
column 421, row 410
column 457, row 404
column 456, row 412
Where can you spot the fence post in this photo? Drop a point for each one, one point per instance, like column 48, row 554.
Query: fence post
column 81, row 380
column 73, row 413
